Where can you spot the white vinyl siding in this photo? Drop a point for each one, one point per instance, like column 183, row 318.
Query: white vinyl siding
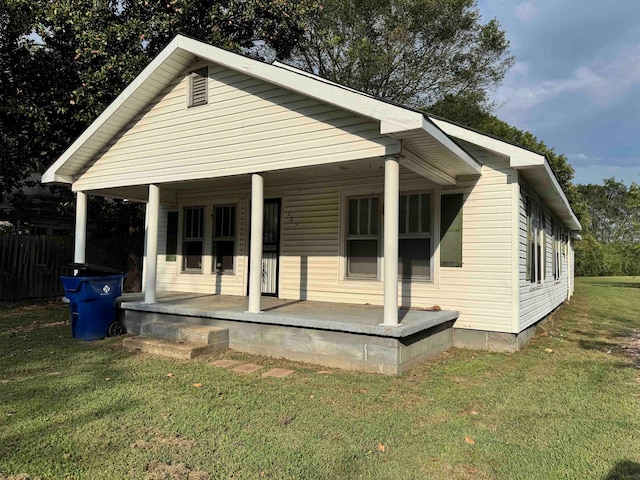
column 312, row 233
column 248, row 126
column 538, row 299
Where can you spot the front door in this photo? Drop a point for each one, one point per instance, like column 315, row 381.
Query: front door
column 271, row 247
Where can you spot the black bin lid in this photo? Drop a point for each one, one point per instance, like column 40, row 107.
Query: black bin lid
column 91, row 270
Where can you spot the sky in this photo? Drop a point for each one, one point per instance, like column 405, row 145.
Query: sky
column 575, row 83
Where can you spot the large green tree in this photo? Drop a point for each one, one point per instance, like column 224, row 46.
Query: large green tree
column 615, row 210
column 63, row 61
column 412, row 52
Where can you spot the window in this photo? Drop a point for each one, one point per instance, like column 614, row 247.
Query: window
column 556, row 249
column 224, row 238
column 192, row 238
column 198, row 87
column 362, row 237
column 451, row 230
column 542, row 245
column 536, row 237
column 172, row 237
column 414, row 242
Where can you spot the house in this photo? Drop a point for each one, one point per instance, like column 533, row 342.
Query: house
column 310, row 221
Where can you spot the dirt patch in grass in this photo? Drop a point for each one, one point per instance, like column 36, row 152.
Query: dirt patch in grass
column 631, row 347
column 31, row 327
column 173, row 471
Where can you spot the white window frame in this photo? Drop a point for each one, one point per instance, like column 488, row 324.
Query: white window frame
column 349, row 237
column 186, row 239
column 535, row 236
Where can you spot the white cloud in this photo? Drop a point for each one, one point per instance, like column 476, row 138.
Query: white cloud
column 602, row 83
column 526, row 12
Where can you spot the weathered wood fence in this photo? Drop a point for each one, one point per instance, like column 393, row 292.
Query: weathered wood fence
column 31, row 265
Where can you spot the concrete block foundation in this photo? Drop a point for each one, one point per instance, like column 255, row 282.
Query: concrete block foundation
column 330, row 348
column 494, row 341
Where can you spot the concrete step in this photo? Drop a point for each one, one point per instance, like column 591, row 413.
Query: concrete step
column 182, row 332
column 169, row 348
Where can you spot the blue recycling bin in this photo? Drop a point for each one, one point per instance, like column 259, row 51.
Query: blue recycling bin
column 92, row 303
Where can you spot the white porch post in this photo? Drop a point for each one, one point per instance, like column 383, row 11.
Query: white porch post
column 151, row 239
column 391, row 213
column 255, row 268
column 80, row 246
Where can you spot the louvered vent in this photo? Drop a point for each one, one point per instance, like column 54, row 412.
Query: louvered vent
column 199, row 94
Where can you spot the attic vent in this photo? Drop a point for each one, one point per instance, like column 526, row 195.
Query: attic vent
column 198, row 92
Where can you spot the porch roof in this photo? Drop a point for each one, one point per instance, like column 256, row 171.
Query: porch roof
column 339, row 317
column 429, row 145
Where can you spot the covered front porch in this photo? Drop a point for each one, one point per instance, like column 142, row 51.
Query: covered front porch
column 335, row 335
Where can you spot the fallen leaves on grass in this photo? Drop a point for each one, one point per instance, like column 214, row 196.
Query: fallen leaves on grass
column 548, row 350
column 197, row 385
column 381, row 447
column 170, row 375
column 469, row 440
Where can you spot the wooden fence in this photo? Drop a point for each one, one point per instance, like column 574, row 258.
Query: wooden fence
column 31, row 265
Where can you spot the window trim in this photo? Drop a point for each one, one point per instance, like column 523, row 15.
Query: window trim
column 185, row 239
column 419, row 236
column 377, row 237
column 215, row 239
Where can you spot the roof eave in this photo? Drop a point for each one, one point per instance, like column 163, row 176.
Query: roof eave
column 52, row 175
column 519, row 159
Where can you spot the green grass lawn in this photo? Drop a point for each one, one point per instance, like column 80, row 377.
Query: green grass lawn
column 568, row 406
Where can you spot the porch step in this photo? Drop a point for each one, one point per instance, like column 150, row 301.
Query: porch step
column 178, row 340
column 184, row 332
column 168, row 348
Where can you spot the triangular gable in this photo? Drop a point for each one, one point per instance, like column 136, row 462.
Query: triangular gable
column 183, row 51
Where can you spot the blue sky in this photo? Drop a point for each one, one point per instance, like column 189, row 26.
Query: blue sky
column 576, row 80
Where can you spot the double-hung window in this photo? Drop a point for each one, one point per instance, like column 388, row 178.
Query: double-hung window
column 192, row 239
column 362, row 237
column 414, row 236
column 224, row 238
column 536, row 238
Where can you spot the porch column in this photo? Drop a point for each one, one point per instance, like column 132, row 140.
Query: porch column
column 80, row 246
column 151, row 239
column 391, row 214
column 255, row 253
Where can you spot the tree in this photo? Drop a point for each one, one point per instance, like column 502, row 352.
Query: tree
column 413, row 52
column 474, row 111
column 89, row 50
column 614, row 210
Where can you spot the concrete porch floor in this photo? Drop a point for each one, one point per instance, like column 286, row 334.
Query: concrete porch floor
column 330, row 334
column 341, row 317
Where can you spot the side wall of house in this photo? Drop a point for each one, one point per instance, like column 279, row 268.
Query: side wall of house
column 538, row 299
column 312, row 253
